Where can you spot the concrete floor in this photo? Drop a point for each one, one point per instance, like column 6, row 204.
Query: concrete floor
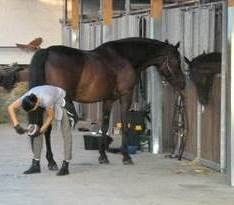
column 153, row 180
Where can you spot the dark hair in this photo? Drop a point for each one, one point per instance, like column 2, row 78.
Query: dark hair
column 29, row 102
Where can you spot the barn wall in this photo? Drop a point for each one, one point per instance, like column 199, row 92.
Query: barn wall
column 201, row 26
column 210, row 125
column 90, row 38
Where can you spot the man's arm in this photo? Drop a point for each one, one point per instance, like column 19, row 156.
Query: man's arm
column 12, row 111
column 12, row 114
column 48, row 120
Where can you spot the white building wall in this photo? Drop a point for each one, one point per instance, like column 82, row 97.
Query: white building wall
column 23, row 20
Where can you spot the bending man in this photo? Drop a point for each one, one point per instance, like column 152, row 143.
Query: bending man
column 57, row 105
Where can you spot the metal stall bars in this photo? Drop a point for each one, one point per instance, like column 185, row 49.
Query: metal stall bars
column 160, row 94
column 90, row 38
column 195, row 28
column 125, row 25
column 230, row 94
column 204, row 137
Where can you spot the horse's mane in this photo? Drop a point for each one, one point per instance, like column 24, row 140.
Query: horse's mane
column 135, row 40
column 138, row 39
column 130, row 41
column 137, row 50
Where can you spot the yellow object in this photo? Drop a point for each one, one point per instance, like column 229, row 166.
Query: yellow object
column 138, row 128
column 119, row 125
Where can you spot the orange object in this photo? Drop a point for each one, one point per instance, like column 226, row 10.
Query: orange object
column 75, row 14
column 156, row 8
column 107, row 11
column 33, row 45
column 230, row 3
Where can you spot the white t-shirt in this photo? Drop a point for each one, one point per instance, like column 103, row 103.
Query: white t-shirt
column 49, row 96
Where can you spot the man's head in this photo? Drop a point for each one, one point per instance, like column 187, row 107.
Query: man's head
column 29, row 102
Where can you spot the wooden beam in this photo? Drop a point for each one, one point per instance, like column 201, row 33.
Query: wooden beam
column 156, row 8
column 75, row 14
column 230, row 3
column 107, row 11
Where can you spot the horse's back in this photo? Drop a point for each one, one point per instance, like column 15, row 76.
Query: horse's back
column 66, row 51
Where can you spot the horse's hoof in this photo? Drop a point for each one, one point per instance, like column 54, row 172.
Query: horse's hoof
column 172, row 156
column 53, row 166
column 103, row 160
column 128, row 162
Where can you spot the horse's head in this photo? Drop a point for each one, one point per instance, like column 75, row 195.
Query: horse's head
column 170, row 66
column 202, row 74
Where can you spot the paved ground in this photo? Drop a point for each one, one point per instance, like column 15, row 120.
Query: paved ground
column 153, row 180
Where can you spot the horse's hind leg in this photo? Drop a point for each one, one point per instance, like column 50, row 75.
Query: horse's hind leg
column 106, row 109
column 125, row 102
column 49, row 155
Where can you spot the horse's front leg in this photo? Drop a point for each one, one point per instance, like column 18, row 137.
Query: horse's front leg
column 49, row 155
column 125, row 102
column 106, row 140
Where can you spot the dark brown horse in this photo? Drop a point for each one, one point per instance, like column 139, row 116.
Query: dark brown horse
column 201, row 71
column 106, row 74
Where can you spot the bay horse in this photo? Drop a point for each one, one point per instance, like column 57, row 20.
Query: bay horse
column 201, row 71
column 107, row 73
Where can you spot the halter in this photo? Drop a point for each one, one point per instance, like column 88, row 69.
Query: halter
column 180, row 123
column 171, row 75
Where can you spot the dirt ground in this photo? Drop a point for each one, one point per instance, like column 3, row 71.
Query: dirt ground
column 153, row 180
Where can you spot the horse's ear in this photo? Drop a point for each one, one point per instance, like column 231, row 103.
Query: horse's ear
column 177, row 45
column 187, row 60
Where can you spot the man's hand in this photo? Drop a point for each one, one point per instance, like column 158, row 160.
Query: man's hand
column 20, row 130
column 33, row 130
column 36, row 134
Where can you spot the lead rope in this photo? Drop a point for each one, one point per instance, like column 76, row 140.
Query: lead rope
column 179, row 126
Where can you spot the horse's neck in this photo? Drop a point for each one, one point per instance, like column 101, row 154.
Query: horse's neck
column 142, row 55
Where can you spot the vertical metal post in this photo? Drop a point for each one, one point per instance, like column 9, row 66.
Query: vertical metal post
column 230, row 94
column 156, row 113
column 106, row 29
column 156, row 100
column 199, row 106
column 63, row 21
column 125, row 24
column 127, row 6
column 223, row 113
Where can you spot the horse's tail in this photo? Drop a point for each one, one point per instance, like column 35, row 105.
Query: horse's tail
column 37, row 68
column 37, row 77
